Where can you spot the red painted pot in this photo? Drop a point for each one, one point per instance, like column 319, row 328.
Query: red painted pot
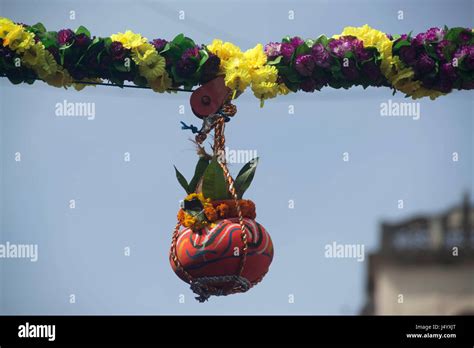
column 217, row 251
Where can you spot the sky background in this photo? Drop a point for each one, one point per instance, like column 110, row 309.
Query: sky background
column 134, row 204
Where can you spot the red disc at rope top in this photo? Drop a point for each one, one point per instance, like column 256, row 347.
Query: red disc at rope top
column 209, row 98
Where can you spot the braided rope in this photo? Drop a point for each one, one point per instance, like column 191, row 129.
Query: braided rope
column 219, row 148
column 203, row 286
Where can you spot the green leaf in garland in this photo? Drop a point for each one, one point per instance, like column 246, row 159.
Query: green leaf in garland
column 276, row 61
column 322, row 39
column 201, row 167
column 38, row 28
column 214, row 185
column 49, row 39
column 400, row 44
column 245, row 177
column 453, row 34
column 302, row 49
column 182, row 180
column 204, row 58
column 83, row 30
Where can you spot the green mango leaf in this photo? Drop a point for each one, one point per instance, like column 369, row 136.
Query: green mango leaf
column 310, row 42
column 453, row 34
column 322, row 39
column 39, row 28
column 178, row 39
column 83, row 30
column 204, row 57
column 214, row 185
column 245, row 177
column 49, row 39
column 166, row 48
column 201, row 167
column 120, row 66
column 302, row 49
column 275, row 61
column 182, row 180
column 400, row 44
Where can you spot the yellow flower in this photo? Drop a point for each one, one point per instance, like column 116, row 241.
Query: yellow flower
column 224, row 50
column 267, row 73
column 143, row 52
column 34, row 55
column 161, row 84
column 153, row 67
column 129, row 39
column 46, row 66
column 6, row 26
column 265, row 90
column 237, row 75
column 18, row 39
column 255, row 57
column 60, row 78
column 199, row 196
column 282, row 89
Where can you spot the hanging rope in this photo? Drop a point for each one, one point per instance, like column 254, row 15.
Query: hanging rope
column 213, row 285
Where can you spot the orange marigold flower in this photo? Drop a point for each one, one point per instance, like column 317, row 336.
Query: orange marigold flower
column 210, row 213
column 181, row 214
column 222, row 210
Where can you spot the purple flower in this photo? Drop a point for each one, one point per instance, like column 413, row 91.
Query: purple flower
column 296, row 41
column 272, row 50
column 468, row 84
column 287, row 51
column 428, row 81
column 466, row 52
column 191, row 53
column 448, row 72
column 305, row 64
column 82, row 40
column 434, row 35
column 159, row 44
column 65, row 36
column 321, row 55
column 347, row 44
column 308, row 85
column 117, row 50
column 444, row 85
column 55, row 52
column 186, row 67
column 408, row 55
column 372, row 71
column 465, row 35
column 424, row 64
column 210, row 68
column 340, row 46
column 418, row 40
column 440, row 49
column 350, row 71
column 6, row 53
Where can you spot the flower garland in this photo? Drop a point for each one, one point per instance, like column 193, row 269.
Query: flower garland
column 429, row 64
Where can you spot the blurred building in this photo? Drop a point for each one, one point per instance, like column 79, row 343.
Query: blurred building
column 425, row 265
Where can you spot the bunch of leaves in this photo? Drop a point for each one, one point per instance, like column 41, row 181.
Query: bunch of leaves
column 174, row 51
column 210, row 176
